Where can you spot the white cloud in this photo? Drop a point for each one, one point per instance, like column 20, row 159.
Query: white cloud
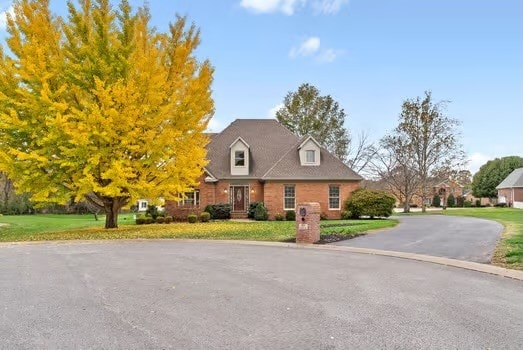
column 273, row 110
column 3, row 16
column 476, row 160
column 329, row 55
column 287, row 7
column 311, row 47
column 306, row 48
column 214, row 125
column 328, row 7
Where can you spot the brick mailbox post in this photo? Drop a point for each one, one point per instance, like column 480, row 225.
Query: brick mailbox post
column 308, row 222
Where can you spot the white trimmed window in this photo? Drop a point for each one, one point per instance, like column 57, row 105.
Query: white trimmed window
column 334, row 197
column 289, row 197
column 239, row 158
column 191, row 199
column 310, row 156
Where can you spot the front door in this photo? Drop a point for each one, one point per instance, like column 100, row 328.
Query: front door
column 238, row 199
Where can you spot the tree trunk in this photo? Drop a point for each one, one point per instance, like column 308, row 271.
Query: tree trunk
column 406, row 206
column 423, row 205
column 112, row 207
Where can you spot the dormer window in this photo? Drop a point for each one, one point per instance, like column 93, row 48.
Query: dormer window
column 239, row 158
column 310, row 156
column 309, row 151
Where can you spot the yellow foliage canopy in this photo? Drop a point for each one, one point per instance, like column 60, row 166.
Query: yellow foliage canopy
column 101, row 104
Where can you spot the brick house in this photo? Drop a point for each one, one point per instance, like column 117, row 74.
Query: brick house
column 260, row 160
column 444, row 189
column 510, row 190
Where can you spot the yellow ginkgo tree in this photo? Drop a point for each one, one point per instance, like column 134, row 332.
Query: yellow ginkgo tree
column 100, row 106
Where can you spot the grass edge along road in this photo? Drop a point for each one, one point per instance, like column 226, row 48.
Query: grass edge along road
column 509, row 249
column 83, row 227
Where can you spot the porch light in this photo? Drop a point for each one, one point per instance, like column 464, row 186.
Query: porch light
column 225, row 190
column 252, row 190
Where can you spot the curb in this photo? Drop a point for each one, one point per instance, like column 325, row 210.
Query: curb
column 467, row 265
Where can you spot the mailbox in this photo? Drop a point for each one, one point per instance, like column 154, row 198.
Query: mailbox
column 308, row 222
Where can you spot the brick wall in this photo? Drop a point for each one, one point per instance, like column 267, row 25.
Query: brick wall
column 511, row 195
column 271, row 193
column 212, row 193
column 307, row 192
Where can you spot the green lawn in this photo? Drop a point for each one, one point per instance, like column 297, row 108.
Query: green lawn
column 509, row 251
column 64, row 227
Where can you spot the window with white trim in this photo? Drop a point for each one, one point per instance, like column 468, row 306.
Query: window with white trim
column 190, row 199
column 143, row 204
column 310, row 156
column 289, row 197
column 334, row 197
column 239, row 158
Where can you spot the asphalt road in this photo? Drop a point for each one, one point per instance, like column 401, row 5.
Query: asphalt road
column 454, row 237
column 207, row 295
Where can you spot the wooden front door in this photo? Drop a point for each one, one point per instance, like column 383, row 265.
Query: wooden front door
column 238, row 199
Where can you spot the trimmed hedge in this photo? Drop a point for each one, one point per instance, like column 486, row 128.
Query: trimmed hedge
column 205, row 217
column 260, row 213
column 451, row 201
column 252, row 209
column 290, row 215
column 436, row 201
column 192, row 218
column 371, row 203
column 221, row 211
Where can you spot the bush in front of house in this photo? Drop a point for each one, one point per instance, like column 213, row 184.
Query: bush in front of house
column 467, row 204
column 372, row 203
column 220, row 211
column 205, row 217
column 160, row 220
column 451, row 201
column 140, row 221
column 149, row 220
column 460, row 201
column 346, row 215
column 436, row 201
column 323, row 216
column 168, row 219
column 290, row 215
column 478, row 203
column 278, row 217
column 192, row 218
column 252, row 209
column 152, row 211
column 260, row 213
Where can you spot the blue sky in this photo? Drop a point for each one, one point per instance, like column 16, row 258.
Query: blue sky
column 369, row 55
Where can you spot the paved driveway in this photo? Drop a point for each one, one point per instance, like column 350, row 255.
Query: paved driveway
column 206, row 295
column 454, row 237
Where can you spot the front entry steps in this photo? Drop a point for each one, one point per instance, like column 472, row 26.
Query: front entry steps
column 238, row 215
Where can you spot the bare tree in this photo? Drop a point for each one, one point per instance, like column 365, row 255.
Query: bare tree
column 394, row 165
column 431, row 138
column 360, row 155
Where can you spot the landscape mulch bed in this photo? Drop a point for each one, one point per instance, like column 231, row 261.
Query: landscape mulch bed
column 330, row 238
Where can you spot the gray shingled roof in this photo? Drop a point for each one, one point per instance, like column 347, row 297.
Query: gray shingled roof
column 273, row 154
column 514, row 179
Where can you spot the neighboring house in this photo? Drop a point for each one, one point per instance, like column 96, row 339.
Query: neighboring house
column 510, row 190
column 256, row 160
column 142, row 204
column 483, row 201
column 441, row 188
column 444, row 189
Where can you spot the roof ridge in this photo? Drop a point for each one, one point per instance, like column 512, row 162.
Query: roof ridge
column 281, row 158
